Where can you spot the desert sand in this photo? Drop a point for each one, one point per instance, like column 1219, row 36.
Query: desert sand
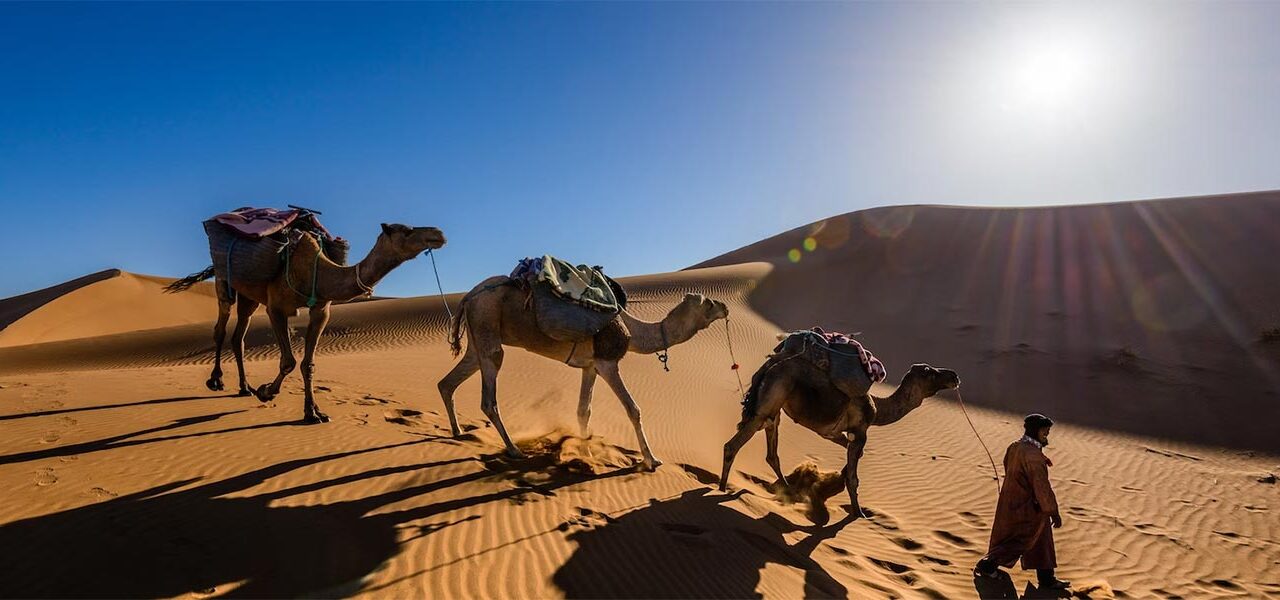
column 1146, row 329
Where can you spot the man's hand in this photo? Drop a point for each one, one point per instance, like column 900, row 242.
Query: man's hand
column 1056, row 519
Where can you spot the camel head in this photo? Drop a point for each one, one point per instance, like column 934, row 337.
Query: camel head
column 699, row 310
column 930, row 379
column 405, row 242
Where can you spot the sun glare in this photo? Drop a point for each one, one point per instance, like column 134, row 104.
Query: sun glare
column 1049, row 74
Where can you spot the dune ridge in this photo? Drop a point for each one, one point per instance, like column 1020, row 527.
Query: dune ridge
column 102, row 303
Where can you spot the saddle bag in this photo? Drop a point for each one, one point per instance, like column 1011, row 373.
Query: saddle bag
column 565, row 320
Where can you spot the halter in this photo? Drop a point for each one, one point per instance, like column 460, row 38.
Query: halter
column 665, row 353
column 367, row 289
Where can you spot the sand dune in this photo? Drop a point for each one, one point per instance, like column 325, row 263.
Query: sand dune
column 129, row 479
column 1148, row 317
column 107, row 302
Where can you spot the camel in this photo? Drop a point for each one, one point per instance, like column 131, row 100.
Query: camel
column 289, row 291
column 495, row 315
column 807, row 395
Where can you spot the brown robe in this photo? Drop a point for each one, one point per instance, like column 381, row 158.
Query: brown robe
column 1022, row 527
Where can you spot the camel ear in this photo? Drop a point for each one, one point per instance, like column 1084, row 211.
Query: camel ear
column 386, row 229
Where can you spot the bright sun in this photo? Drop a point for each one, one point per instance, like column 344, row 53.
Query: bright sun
column 1050, row 74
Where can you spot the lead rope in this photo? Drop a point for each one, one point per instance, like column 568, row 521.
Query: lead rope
column 735, row 367
column 980, row 441
column 440, row 287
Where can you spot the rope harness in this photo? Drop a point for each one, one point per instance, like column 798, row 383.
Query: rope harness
column 312, row 299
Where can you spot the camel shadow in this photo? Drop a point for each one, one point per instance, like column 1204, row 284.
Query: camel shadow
column 126, row 440
column 690, row 546
column 63, row 411
column 183, row 537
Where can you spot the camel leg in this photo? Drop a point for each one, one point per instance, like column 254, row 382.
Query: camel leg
column 746, row 430
column 319, row 318
column 584, row 399
column 461, row 372
column 771, row 454
column 279, row 326
column 244, row 313
column 857, row 441
column 219, row 335
column 609, row 370
column 490, row 364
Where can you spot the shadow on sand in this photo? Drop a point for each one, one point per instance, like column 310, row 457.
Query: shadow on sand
column 63, row 411
column 174, row 539
column 691, row 547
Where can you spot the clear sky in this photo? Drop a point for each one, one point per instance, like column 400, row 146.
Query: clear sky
column 644, row 137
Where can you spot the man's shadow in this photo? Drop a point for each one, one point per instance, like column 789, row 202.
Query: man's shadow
column 690, row 546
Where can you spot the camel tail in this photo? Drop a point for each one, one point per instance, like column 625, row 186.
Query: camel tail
column 751, row 401
column 185, row 283
column 455, row 329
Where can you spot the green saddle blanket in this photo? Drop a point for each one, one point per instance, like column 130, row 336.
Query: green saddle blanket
column 581, row 284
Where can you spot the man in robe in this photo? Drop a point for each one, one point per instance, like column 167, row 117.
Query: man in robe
column 1027, row 512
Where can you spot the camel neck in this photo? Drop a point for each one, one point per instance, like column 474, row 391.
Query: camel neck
column 336, row 283
column 652, row 337
column 905, row 399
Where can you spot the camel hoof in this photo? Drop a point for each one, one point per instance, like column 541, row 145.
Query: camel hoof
column 515, row 453
column 316, row 418
column 214, row 384
column 455, row 432
column 650, row 464
column 244, row 392
column 856, row 512
column 264, row 393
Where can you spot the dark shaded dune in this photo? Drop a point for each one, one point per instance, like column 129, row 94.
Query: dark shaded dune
column 1146, row 316
column 16, row 307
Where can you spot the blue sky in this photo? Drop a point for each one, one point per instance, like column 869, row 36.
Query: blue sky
column 644, row 137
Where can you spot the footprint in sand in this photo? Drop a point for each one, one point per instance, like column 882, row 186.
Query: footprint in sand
column 371, row 400
column 890, row 566
column 404, row 416
column 46, row 477
column 50, row 437
column 973, row 520
column 99, row 492
column 907, row 544
column 952, row 538
column 586, row 519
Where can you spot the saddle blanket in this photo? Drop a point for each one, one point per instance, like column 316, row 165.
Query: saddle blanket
column 841, row 342
column 581, row 284
column 258, row 223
